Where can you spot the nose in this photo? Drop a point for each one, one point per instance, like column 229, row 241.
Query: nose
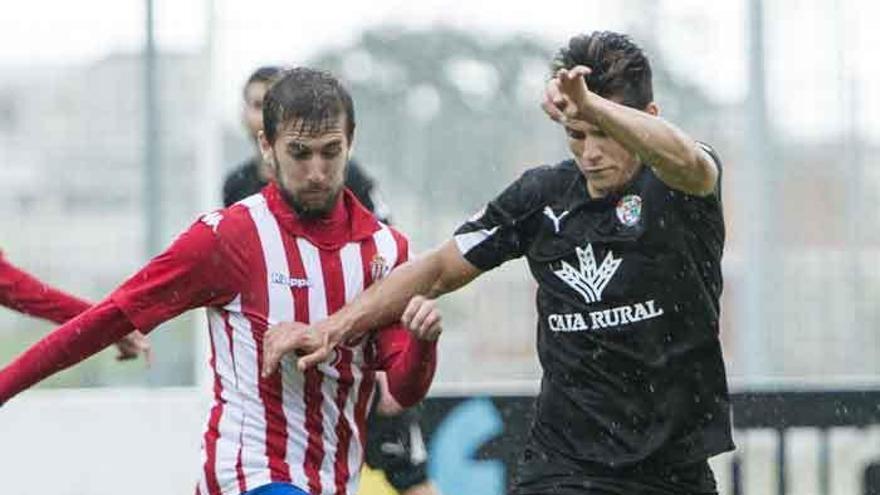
column 315, row 173
column 591, row 154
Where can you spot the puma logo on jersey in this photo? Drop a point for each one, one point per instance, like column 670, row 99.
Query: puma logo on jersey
column 591, row 279
column 557, row 221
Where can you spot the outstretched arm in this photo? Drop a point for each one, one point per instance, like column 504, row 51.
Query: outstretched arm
column 22, row 292
column 677, row 159
column 193, row 272
column 441, row 270
column 76, row 340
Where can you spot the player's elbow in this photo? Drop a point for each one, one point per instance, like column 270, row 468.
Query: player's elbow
column 702, row 178
column 406, row 399
column 408, row 385
column 689, row 174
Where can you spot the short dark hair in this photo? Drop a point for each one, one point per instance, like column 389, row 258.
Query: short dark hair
column 314, row 96
column 264, row 74
column 620, row 68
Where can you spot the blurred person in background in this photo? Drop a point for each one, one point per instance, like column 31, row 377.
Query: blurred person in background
column 253, row 174
column 298, row 250
column 395, row 445
column 625, row 241
column 22, row 292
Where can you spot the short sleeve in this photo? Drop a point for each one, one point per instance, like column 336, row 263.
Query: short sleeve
column 709, row 150
column 496, row 234
column 193, row 272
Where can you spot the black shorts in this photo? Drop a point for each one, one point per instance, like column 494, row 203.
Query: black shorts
column 542, row 473
column 395, row 446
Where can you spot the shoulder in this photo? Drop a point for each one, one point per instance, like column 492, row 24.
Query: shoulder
column 537, row 187
column 550, row 178
column 241, row 182
column 358, row 178
column 389, row 238
column 244, row 171
column 235, row 222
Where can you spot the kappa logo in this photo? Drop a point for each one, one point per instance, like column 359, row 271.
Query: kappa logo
column 557, row 221
column 590, row 280
column 297, row 283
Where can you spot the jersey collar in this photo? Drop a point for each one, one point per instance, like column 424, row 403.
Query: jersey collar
column 349, row 221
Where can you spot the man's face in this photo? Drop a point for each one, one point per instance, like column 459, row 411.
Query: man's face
column 252, row 113
column 309, row 167
column 606, row 164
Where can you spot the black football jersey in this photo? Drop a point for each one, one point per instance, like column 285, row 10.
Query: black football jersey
column 628, row 312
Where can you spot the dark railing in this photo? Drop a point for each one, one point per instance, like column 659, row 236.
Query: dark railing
column 500, row 431
column 821, row 410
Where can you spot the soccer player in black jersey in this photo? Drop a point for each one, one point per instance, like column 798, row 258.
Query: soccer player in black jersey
column 625, row 241
column 394, row 445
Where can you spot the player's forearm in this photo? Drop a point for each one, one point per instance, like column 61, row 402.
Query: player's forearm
column 76, row 340
column 22, row 292
column 411, row 372
column 384, row 302
column 675, row 156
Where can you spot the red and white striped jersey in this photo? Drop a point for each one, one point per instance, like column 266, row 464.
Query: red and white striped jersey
column 253, row 265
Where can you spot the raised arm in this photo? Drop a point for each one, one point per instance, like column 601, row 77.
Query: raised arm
column 677, row 159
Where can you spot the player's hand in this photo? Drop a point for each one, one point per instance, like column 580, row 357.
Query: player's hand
column 566, row 95
column 295, row 337
column 133, row 345
column 422, row 318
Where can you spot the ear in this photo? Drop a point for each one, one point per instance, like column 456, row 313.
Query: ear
column 653, row 108
column 265, row 149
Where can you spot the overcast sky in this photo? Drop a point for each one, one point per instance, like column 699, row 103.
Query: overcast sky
column 807, row 69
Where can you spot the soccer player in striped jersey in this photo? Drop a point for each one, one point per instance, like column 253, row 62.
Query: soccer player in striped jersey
column 22, row 292
column 297, row 251
column 395, row 445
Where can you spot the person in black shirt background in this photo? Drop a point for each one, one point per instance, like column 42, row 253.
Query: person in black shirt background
column 394, row 445
column 625, row 241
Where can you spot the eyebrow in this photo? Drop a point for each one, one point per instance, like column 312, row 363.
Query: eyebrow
column 295, row 145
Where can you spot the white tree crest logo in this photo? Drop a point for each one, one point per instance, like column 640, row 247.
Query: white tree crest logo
column 590, row 281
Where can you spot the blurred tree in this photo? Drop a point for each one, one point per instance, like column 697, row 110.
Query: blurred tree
column 449, row 117
column 446, row 119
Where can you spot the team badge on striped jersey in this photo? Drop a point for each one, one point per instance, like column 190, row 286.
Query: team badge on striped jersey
column 629, row 210
column 379, row 267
